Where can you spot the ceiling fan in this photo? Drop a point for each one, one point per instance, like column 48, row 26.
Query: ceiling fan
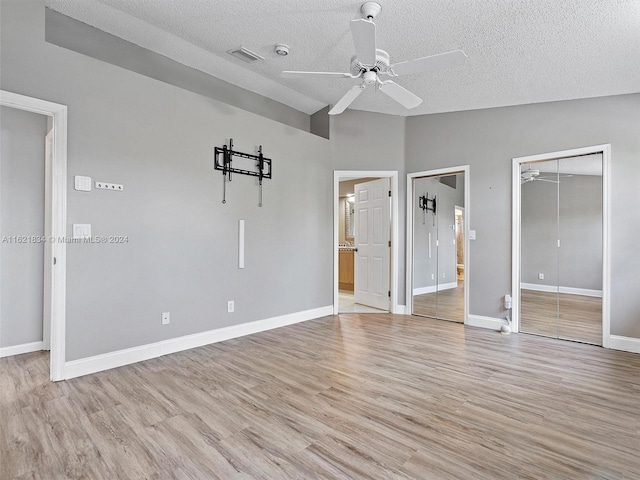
column 369, row 63
column 532, row 174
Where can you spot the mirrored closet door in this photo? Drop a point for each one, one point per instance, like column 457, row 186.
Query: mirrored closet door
column 561, row 248
column 438, row 247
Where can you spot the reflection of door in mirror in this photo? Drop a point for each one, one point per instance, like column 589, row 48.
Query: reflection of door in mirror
column 349, row 218
column 561, row 248
column 459, row 215
column 438, row 247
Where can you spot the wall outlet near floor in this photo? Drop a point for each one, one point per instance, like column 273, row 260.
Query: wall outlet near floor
column 433, row 276
column 166, row 318
column 231, row 306
column 541, row 276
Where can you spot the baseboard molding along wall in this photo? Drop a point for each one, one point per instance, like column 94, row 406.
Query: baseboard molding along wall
column 20, row 349
column 553, row 289
column 401, row 310
column 99, row 363
column 627, row 344
column 432, row 288
column 484, row 322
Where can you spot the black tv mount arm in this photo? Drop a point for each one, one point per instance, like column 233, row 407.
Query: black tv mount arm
column 223, row 161
column 427, row 204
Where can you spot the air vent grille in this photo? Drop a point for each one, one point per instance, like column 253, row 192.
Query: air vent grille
column 244, row 54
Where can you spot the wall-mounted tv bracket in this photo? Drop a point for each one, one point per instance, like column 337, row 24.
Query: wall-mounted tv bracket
column 224, row 157
column 427, row 205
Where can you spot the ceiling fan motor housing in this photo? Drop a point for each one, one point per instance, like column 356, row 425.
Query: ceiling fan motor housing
column 382, row 63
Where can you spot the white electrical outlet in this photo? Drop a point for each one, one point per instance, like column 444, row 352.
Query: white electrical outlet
column 443, row 274
column 231, row 306
column 166, row 318
column 433, row 276
column 541, row 276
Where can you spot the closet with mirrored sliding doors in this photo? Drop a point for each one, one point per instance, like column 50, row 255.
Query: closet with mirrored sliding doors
column 438, row 246
column 560, row 284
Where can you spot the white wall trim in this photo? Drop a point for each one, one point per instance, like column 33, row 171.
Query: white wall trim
column 606, row 231
column 401, row 310
column 485, row 322
column 560, row 289
column 20, row 349
column 58, row 215
column 627, row 344
column 409, row 233
column 119, row 358
column 339, row 175
column 433, row 288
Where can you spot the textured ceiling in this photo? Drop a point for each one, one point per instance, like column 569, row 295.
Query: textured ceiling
column 520, row 51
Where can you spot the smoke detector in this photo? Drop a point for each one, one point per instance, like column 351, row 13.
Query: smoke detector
column 282, row 49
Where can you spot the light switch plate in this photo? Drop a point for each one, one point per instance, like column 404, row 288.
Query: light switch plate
column 82, row 184
column 81, row 230
column 472, row 234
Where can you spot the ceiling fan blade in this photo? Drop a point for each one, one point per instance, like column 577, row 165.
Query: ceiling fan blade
column 293, row 74
column 546, row 180
column 346, row 100
column 364, row 40
column 400, row 94
column 427, row 64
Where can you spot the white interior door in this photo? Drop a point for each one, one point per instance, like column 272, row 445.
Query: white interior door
column 372, row 234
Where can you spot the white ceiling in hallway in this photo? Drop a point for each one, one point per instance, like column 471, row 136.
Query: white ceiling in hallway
column 519, row 52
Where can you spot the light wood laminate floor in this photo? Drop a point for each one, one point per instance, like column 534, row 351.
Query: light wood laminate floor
column 446, row 304
column 352, row 396
column 565, row 316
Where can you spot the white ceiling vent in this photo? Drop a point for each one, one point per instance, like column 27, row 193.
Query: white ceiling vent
column 245, row 55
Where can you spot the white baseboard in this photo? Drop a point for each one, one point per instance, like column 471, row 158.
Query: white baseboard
column 432, row 288
column 484, row 322
column 553, row 289
column 400, row 310
column 627, row 344
column 20, row 349
column 98, row 363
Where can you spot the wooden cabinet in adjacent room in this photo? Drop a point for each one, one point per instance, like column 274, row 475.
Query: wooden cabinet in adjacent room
column 345, row 269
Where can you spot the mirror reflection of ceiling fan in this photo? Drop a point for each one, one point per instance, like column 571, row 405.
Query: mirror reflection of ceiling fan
column 370, row 63
column 531, row 175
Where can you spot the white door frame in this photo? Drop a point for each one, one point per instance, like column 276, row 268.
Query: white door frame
column 410, row 213
column 606, row 231
column 58, row 219
column 338, row 176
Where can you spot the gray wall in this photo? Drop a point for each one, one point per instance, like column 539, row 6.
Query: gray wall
column 442, row 264
column 21, row 214
column 181, row 256
column 579, row 258
column 487, row 140
column 319, row 122
column 373, row 141
column 158, row 140
column 80, row 37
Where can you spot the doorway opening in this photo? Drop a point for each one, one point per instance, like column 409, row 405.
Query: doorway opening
column 55, row 218
column 437, row 244
column 560, row 245
column 365, row 241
